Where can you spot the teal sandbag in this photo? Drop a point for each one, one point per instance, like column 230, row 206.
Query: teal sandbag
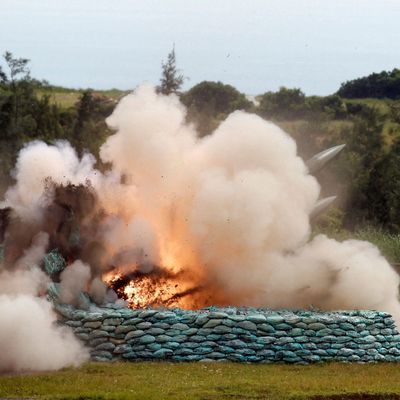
column 53, row 262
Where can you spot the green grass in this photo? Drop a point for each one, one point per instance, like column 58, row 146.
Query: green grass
column 66, row 98
column 388, row 243
column 206, row 381
column 62, row 99
column 383, row 105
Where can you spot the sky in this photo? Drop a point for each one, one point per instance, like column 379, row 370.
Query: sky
column 254, row 45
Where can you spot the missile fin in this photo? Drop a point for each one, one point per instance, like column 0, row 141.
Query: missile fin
column 321, row 206
column 318, row 161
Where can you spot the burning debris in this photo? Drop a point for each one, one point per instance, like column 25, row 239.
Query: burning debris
column 179, row 221
column 154, row 288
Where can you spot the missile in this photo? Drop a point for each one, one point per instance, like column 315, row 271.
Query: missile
column 318, row 161
column 321, row 206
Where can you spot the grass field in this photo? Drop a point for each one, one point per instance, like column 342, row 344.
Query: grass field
column 388, row 243
column 208, row 381
column 68, row 98
column 383, row 105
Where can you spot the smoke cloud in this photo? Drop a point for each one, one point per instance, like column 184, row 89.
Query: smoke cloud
column 73, row 281
column 224, row 218
column 29, row 338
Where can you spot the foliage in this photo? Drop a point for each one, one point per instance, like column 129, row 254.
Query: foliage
column 363, row 154
column 3, row 76
column 384, row 190
column 23, row 117
column 215, row 97
column 292, row 104
column 29, row 112
column 210, row 102
column 16, row 66
column 381, row 105
column 355, row 175
column 328, row 107
column 16, row 99
column 385, row 84
column 286, row 104
column 89, row 128
column 171, row 80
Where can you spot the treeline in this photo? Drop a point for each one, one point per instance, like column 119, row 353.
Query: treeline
column 385, row 84
column 366, row 177
column 27, row 113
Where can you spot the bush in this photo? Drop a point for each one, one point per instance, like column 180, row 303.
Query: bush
column 286, row 104
column 209, row 103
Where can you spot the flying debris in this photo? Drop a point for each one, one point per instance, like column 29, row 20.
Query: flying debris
column 321, row 206
column 315, row 163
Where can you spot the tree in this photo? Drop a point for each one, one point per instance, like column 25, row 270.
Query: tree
column 385, row 84
column 218, row 97
column 171, row 80
column 16, row 66
column 286, row 104
column 359, row 165
column 327, row 107
column 17, row 98
column 90, row 130
column 384, row 190
column 209, row 103
column 3, row 76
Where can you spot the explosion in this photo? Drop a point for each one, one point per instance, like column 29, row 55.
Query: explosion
column 181, row 221
column 156, row 289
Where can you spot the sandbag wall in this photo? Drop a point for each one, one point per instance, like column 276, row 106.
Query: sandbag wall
column 234, row 334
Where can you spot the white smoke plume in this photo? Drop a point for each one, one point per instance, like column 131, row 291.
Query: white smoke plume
column 39, row 161
column 232, row 209
column 29, row 338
